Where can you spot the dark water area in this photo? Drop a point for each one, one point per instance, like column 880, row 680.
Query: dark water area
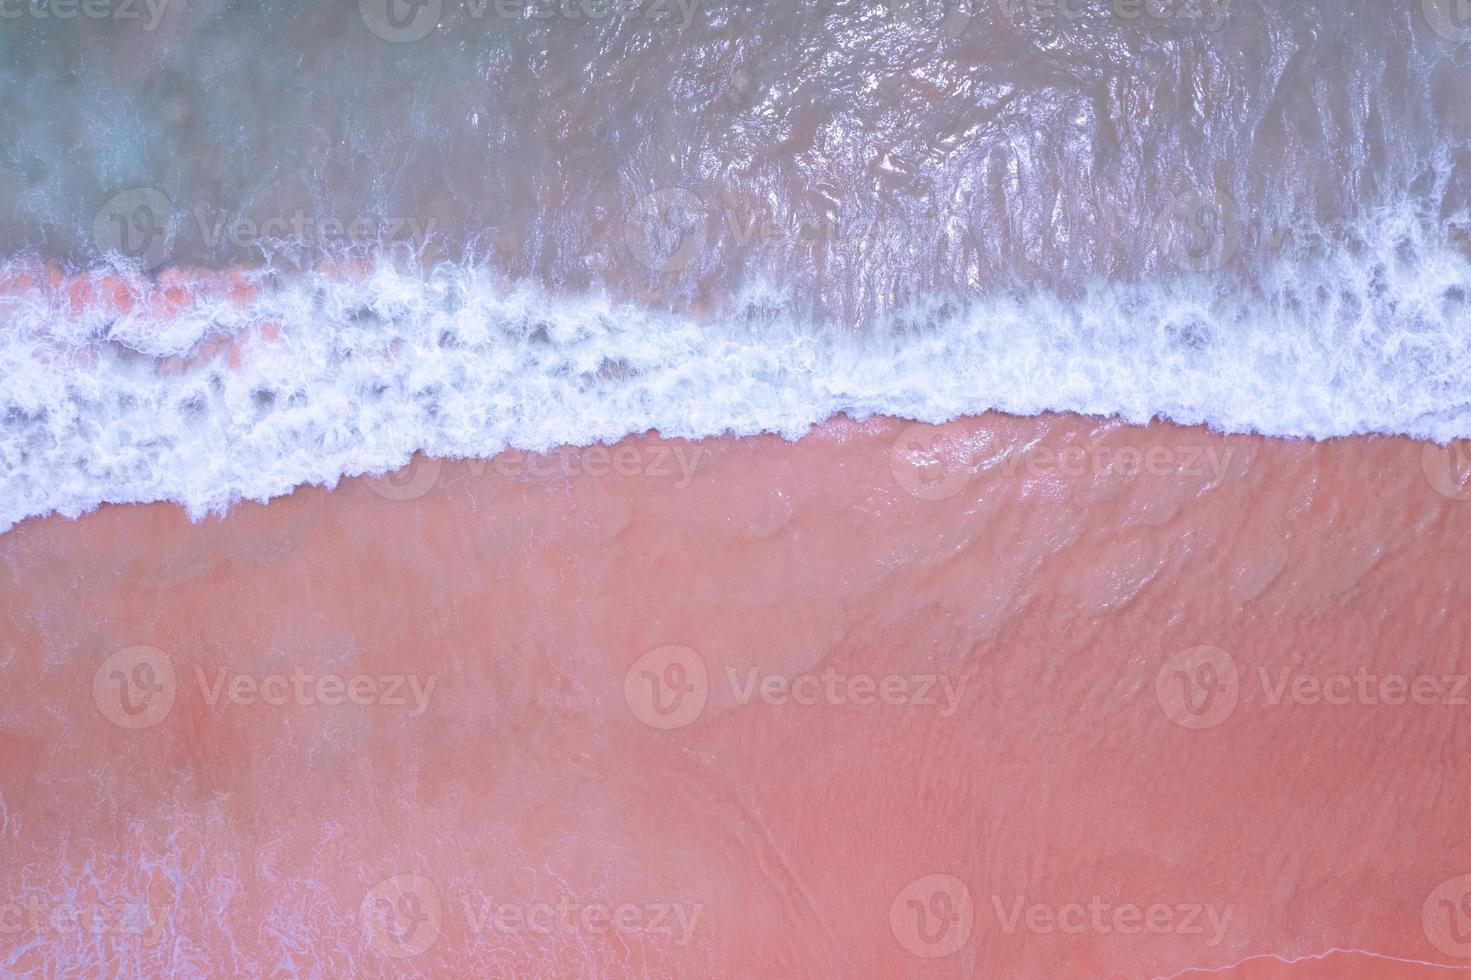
column 861, row 153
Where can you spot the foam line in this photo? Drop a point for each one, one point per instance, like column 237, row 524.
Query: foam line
column 244, row 387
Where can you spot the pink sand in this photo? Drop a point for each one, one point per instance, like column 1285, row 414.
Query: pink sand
column 872, row 704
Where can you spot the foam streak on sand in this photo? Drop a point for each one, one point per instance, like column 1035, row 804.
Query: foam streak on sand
column 209, row 390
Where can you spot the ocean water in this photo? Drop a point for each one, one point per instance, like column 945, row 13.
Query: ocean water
column 458, row 226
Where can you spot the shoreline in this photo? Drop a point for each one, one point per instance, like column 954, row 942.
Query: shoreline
column 222, row 388
column 1445, row 466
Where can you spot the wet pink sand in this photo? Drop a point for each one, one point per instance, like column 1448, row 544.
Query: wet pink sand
column 891, row 701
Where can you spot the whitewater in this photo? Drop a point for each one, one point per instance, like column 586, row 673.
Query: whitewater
column 322, row 375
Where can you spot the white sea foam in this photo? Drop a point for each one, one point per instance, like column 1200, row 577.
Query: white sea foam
column 1368, row 332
